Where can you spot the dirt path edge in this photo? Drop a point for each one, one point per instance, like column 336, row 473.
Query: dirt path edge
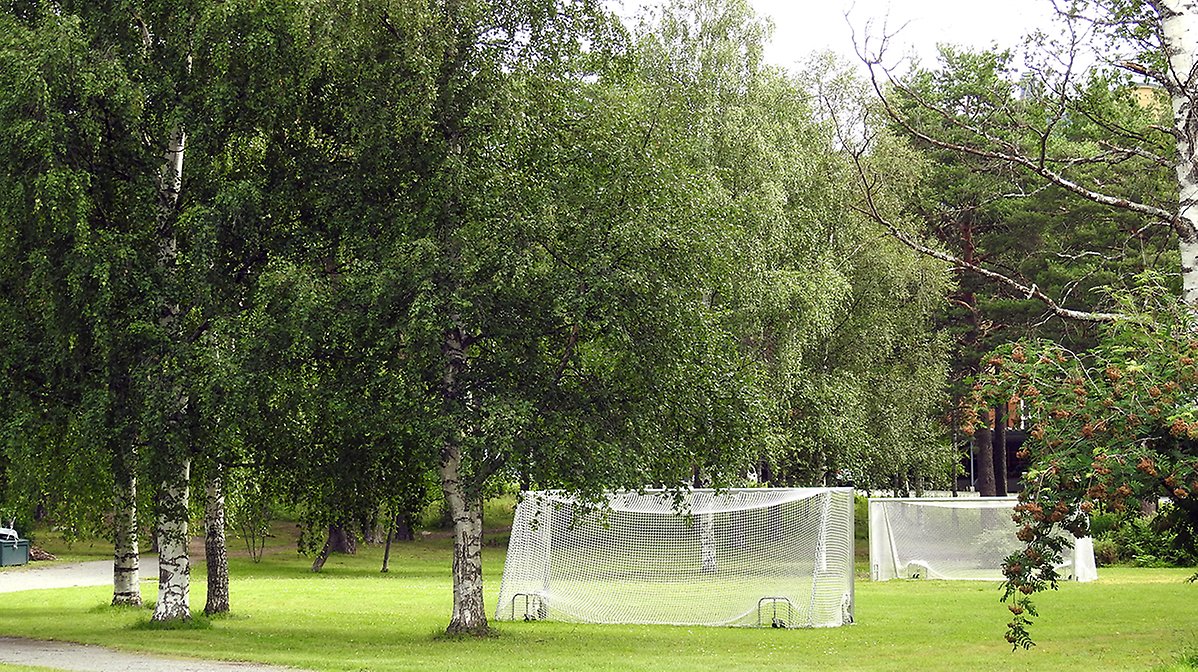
column 89, row 658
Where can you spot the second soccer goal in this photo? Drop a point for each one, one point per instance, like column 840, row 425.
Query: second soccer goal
column 954, row 538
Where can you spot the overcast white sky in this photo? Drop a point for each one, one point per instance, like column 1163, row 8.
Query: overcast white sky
column 803, row 26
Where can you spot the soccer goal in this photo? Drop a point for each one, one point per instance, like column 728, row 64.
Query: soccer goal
column 749, row 557
column 954, row 538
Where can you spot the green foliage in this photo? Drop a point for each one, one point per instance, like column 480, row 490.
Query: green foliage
column 860, row 517
column 987, row 210
column 250, row 510
column 1111, row 427
column 514, row 232
column 816, row 293
column 1147, row 541
column 1147, row 547
column 1106, row 552
column 74, row 312
column 1102, row 523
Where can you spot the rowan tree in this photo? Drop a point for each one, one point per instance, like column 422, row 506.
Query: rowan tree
column 1112, row 426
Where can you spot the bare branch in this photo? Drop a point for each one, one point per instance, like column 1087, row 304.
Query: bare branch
column 1008, row 154
column 1087, row 253
column 872, row 211
column 1032, row 292
column 1128, row 152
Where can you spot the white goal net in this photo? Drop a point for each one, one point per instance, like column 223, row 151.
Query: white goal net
column 771, row 557
column 954, row 538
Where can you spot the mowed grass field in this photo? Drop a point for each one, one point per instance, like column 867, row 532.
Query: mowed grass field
column 351, row 617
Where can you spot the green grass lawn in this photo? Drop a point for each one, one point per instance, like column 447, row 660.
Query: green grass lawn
column 351, row 617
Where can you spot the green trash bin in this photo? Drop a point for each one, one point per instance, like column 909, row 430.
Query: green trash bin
column 13, row 550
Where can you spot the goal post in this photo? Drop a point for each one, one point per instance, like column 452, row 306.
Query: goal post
column 956, row 538
column 780, row 557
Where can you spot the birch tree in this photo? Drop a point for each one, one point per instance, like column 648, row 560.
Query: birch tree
column 164, row 259
column 542, row 268
column 76, row 277
column 812, row 284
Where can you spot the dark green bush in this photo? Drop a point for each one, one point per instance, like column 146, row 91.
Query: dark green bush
column 1102, row 523
column 1152, row 542
column 1106, row 552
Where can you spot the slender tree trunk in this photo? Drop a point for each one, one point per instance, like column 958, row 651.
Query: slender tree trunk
column 1179, row 26
column 387, row 549
column 1000, row 450
column 174, row 564
column 526, row 472
column 469, row 616
column 464, row 506
column 173, row 505
column 337, row 540
column 323, row 556
column 379, row 529
column 983, row 461
column 708, row 562
column 216, row 550
column 126, row 575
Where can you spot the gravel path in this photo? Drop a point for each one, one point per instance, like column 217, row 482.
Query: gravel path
column 94, row 573
column 87, row 658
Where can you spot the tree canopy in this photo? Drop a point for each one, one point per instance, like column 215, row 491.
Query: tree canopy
column 336, row 253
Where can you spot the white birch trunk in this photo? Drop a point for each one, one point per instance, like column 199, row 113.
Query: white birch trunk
column 169, row 185
column 174, row 497
column 469, row 615
column 1179, row 29
column 126, row 575
column 174, row 563
column 216, row 550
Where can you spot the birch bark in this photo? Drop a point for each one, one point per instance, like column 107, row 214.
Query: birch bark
column 469, row 615
column 174, row 563
column 1179, row 33
column 126, row 576
column 216, row 552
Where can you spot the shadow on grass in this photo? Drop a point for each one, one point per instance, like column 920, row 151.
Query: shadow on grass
column 196, row 622
column 443, row 636
column 227, row 616
column 107, row 608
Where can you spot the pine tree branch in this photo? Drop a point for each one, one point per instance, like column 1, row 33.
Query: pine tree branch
column 871, row 210
column 1008, row 152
